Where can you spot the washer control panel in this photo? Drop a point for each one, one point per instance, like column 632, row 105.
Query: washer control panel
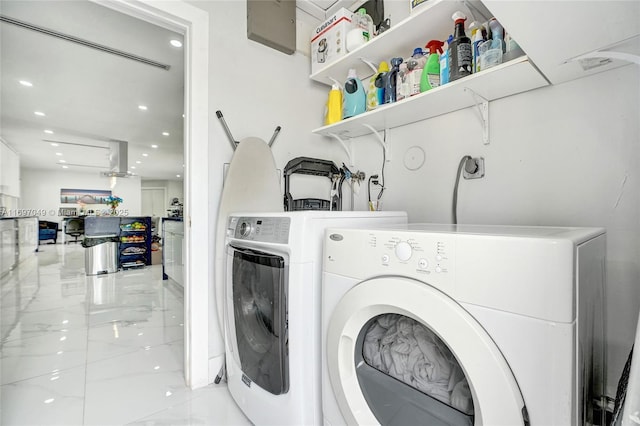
column 263, row 229
column 425, row 256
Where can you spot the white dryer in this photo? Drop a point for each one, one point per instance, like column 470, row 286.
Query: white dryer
column 454, row 325
column 272, row 310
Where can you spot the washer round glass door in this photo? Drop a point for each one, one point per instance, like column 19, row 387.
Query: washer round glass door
column 399, row 351
column 258, row 290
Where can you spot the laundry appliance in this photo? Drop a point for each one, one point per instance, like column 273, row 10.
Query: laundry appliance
column 272, row 310
column 455, row 325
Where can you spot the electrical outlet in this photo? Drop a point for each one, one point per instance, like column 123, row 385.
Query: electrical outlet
column 474, row 168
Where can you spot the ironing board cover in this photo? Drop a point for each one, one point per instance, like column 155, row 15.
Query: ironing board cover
column 252, row 184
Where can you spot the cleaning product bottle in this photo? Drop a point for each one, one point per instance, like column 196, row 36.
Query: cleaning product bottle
column 431, row 75
column 497, row 34
column 362, row 30
column 491, row 51
column 375, row 94
column 334, row 104
column 402, row 83
column 459, row 49
column 355, row 98
column 444, row 63
column 390, row 83
column 365, row 22
column 415, row 69
column 476, row 38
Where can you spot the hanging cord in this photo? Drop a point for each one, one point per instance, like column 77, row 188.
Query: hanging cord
column 454, row 209
column 384, row 161
column 373, row 179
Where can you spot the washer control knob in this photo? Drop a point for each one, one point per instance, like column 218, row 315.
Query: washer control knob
column 438, row 257
column 385, row 258
column 423, row 263
column 403, row 251
column 245, row 229
column 438, row 269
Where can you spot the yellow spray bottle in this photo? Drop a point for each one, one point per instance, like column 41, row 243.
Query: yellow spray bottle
column 334, row 104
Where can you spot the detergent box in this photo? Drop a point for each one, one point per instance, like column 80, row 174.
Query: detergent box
column 329, row 40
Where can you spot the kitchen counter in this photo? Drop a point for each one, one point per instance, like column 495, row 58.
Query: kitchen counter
column 173, row 249
column 18, row 241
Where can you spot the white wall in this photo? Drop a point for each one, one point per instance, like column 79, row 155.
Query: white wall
column 41, row 191
column 561, row 155
column 256, row 88
column 174, row 188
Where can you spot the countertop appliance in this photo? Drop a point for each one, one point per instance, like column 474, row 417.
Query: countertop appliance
column 272, row 310
column 445, row 324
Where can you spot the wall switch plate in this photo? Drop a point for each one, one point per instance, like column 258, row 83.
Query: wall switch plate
column 474, row 168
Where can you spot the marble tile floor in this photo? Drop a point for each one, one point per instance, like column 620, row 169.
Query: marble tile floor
column 97, row 350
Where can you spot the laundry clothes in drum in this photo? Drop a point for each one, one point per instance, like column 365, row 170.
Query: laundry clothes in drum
column 408, row 351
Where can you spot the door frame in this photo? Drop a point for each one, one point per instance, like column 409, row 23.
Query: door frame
column 193, row 22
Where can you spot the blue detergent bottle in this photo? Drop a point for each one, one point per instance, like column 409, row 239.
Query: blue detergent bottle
column 444, row 63
column 354, row 96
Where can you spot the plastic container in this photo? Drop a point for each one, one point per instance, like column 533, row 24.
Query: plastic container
column 355, row 98
column 375, row 94
column 491, row 51
column 415, row 69
column 362, row 31
column 402, row 82
column 460, row 56
column 431, row 75
column 333, row 112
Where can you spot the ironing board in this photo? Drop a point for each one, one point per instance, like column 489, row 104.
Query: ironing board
column 252, row 184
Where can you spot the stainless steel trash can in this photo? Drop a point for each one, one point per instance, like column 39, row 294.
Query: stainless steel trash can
column 101, row 258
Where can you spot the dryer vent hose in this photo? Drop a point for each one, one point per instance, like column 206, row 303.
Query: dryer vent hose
column 454, row 207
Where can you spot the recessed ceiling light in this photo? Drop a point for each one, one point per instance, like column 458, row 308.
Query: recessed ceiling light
column 142, row 107
column 62, row 161
column 65, row 167
column 154, row 146
column 145, row 155
column 176, row 43
column 165, row 133
column 39, row 113
column 133, row 167
column 177, row 175
column 138, row 162
column 58, row 153
column 26, row 83
column 54, row 144
column 49, row 132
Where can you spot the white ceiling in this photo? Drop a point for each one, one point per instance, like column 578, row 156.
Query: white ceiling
column 90, row 96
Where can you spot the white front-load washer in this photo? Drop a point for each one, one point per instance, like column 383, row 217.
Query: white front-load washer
column 272, row 310
column 455, row 325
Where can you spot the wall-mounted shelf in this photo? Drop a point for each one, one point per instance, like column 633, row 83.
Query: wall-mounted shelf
column 431, row 20
column 509, row 78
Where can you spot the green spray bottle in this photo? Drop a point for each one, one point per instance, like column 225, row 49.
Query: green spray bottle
column 431, row 75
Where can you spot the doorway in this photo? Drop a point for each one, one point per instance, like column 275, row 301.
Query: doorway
column 194, row 24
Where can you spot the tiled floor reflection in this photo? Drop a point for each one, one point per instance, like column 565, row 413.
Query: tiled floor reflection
column 97, row 350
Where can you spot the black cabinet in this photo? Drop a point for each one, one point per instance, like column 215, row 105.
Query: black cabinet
column 134, row 249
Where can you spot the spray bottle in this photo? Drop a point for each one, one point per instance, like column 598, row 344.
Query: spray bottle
column 390, row 83
column 334, row 104
column 444, row 63
column 431, row 75
column 355, row 98
column 460, row 56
